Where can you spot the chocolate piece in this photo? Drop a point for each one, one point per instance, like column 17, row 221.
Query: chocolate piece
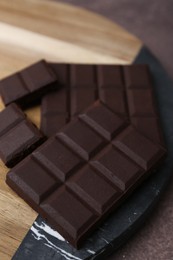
column 85, row 171
column 126, row 90
column 28, row 85
column 140, row 102
column 18, row 136
column 150, row 127
column 110, row 76
column 54, row 111
column 137, row 76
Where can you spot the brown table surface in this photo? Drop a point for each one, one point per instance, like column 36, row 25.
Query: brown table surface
column 152, row 22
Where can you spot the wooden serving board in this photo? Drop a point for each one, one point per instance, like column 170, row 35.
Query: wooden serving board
column 32, row 30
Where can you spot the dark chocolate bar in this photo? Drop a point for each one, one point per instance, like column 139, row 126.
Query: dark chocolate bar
column 126, row 90
column 76, row 178
column 18, row 136
column 29, row 85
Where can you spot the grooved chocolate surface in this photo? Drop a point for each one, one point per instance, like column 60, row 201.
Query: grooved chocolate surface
column 88, row 168
column 28, row 85
column 125, row 90
column 18, row 136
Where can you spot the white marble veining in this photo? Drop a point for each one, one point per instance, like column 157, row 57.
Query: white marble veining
column 40, row 231
column 49, row 230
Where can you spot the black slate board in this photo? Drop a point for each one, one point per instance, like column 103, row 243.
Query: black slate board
column 42, row 243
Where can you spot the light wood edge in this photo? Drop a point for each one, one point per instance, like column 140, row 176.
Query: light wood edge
column 92, row 32
column 19, row 51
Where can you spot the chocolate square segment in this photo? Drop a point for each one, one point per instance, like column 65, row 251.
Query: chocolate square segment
column 117, row 168
column 137, row 76
column 12, row 88
column 141, row 102
column 57, row 158
column 63, row 209
column 110, row 76
column 55, row 111
column 81, row 139
column 37, row 76
column 81, row 98
column 55, row 102
column 115, row 99
column 23, row 135
column 90, row 187
column 62, row 72
column 53, row 123
column 150, row 127
column 83, row 76
column 10, row 117
column 28, row 85
column 18, row 136
column 32, row 181
column 139, row 148
column 103, row 120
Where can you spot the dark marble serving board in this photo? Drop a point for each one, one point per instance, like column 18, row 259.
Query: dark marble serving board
column 43, row 243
